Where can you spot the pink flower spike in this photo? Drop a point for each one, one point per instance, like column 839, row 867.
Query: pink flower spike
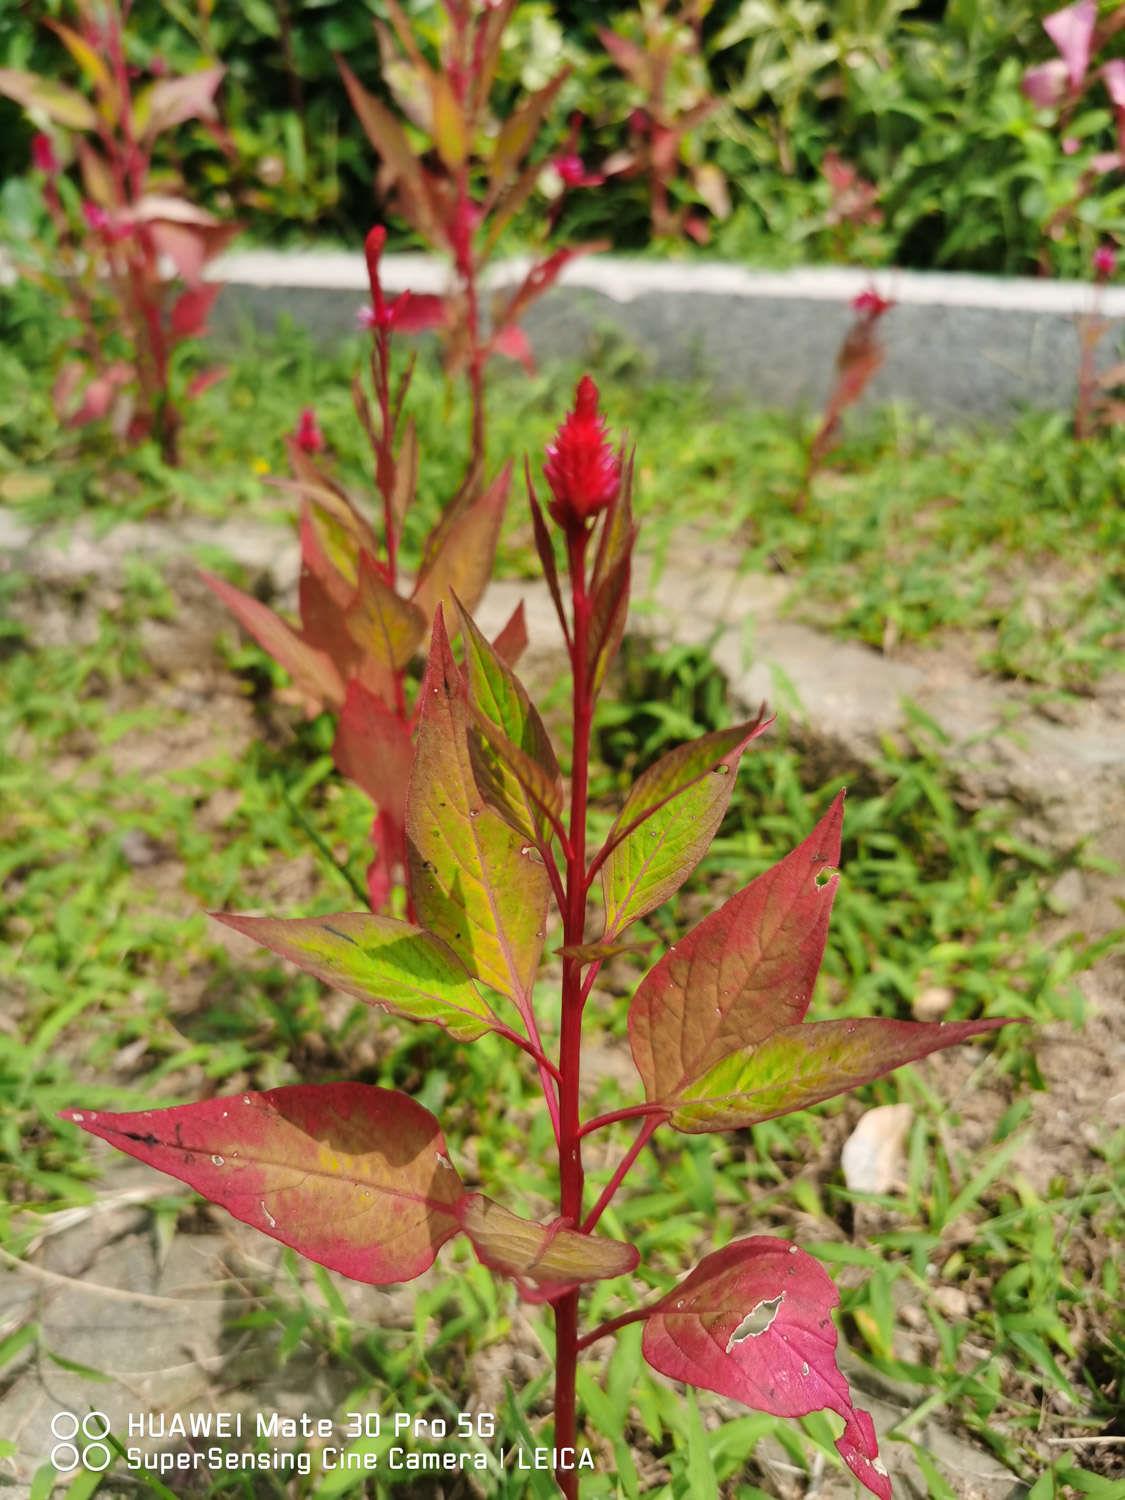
column 1071, row 145
column 1072, row 30
column 869, row 301
column 1046, row 84
column 1104, row 262
column 308, row 435
column 582, row 469
column 96, row 217
column 372, row 251
column 43, row 157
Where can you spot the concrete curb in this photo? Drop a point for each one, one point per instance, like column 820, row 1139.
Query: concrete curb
column 958, row 346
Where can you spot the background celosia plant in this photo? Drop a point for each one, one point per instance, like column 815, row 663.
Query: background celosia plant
column 858, row 361
column 360, row 1179
column 361, row 621
column 663, row 60
column 458, row 176
column 111, row 232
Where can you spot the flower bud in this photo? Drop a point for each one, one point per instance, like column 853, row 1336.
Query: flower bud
column 1104, row 262
column 308, row 435
column 582, row 469
column 43, row 157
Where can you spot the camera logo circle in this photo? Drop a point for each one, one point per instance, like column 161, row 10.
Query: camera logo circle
column 79, row 1442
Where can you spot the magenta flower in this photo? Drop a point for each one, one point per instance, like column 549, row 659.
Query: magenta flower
column 1104, row 262
column 95, row 215
column 869, row 301
column 582, row 469
column 43, row 157
column 572, row 169
column 308, row 435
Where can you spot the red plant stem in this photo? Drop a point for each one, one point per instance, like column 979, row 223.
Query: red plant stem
column 570, row 1045
column 384, row 458
column 633, row 1112
column 611, row 1326
column 644, row 1135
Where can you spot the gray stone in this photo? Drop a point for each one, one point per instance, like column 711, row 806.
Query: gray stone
column 957, row 345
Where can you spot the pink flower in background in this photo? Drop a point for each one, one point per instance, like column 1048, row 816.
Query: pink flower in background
column 308, row 435
column 869, row 301
column 1104, row 262
column 43, row 157
column 1072, row 31
column 96, row 217
column 572, row 169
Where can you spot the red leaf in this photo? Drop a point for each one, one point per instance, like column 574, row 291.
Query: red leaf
column 99, row 395
column 511, row 643
column 174, row 100
column 311, row 670
column 514, row 344
column 417, row 312
column 205, row 379
column 754, row 1322
column 354, row 1177
column 373, row 748
column 192, row 308
column 742, row 973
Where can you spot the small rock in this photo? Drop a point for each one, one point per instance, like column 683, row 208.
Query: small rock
column 951, row 1301
column 872, row 1154
column 1068, row 893
column 140, row 850
column 932, row 1003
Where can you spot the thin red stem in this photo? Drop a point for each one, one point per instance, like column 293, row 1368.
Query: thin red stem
column 531, row 1047
column 644, row 1135
column 611, row 1326
column 570, row 1044
column 633, row 1112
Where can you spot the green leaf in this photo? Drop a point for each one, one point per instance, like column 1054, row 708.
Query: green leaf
column 800, row 1065
column 473, row 879
column 667, row 823
column 392, row 965
column 64, row 106
column 512, row 756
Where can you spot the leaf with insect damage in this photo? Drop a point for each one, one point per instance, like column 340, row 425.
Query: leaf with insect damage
column 753, row 1322
column 801, row 1065
column 352, row 1176
column 668, row 821
column 554, row 1256
column 394, row 966
column 311, row 670
column 741, row 974
column 473, row 879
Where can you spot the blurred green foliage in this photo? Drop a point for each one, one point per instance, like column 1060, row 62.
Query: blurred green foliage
column 923, row 99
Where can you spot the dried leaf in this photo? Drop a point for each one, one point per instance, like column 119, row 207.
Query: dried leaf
column 553, row 1255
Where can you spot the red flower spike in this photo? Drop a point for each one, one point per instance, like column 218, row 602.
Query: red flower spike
column 1104, row 262
column 43, row 157
column 869, row 301
column 372, row 251
column 583, row 471
column 308, row 435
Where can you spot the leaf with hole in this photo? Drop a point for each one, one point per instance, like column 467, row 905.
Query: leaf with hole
column 753, row 1321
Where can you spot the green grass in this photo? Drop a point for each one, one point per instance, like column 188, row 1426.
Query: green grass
column 1012, row 539
column 118, row 995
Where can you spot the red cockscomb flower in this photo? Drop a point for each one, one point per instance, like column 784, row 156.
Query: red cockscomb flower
column 308, row 435
column 582, row 469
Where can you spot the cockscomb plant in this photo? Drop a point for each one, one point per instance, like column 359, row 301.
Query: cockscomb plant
column 360, row 1177
column 115, row 232
column 458, row 175
column 361, row 620
column 858, row 360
